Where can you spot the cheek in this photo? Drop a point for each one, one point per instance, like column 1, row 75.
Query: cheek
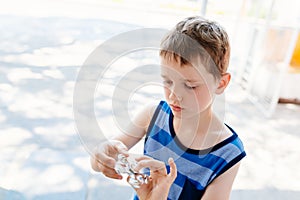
column 203, row 96
column 166, row 92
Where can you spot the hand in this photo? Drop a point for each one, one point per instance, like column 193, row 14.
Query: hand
column 104, row 158
column 159, row 182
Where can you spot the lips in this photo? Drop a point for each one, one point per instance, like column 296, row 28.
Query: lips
column 175, row 108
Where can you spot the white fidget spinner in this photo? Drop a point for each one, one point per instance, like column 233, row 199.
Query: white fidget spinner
column 124, row 166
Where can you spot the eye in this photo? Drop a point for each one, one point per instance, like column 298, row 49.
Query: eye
column 191, row 87
column 167, row 82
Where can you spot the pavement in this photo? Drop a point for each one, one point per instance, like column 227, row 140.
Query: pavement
column 43, row 157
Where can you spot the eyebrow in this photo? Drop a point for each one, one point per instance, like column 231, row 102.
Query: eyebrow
column 192, row 81
column 188, row 80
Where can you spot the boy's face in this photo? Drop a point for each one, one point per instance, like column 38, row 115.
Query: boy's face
column 188, row 90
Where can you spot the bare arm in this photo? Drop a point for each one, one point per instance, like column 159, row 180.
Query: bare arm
column 137, row 128
column 103, row 158
column 220, row 188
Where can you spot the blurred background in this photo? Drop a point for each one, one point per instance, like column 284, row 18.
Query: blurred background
column 44, row 43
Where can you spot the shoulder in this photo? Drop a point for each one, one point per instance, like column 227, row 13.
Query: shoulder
column 145, row 114
column 137, row 126
column 231, row 151
column 235, row 141
column 230, row 140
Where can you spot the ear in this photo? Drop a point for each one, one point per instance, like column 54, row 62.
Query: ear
column 223, row 83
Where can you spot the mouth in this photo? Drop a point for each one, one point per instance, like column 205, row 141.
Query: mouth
column 175, row 108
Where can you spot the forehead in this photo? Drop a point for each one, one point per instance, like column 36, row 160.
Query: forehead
column 195, row 72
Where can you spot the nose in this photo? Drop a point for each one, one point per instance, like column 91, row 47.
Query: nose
column 175, row 94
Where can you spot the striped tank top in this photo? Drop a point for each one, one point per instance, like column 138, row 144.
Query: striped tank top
column 196, row 169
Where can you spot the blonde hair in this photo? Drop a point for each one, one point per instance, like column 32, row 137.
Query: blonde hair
column 197, row 37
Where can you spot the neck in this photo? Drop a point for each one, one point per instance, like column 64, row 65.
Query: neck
column 198, row 132
column 199, row 124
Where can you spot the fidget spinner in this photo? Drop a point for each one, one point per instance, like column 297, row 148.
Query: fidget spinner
column 126, row 166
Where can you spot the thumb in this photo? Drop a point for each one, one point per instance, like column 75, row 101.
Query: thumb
column 173, row 170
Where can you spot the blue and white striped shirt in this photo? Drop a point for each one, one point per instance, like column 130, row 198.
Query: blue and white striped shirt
column 196, row 169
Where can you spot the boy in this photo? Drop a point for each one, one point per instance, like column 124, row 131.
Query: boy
column 206, row 153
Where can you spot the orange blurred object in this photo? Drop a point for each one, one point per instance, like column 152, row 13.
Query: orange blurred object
column 295, row 61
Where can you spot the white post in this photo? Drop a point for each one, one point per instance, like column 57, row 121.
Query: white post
column 203, row 8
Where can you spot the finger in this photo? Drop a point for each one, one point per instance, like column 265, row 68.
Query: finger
column 120, row 147
column 128, row 181
column 108, row 172
column 105, row 160
column 94, row 164
column 98, row 164
column 102, row 155
column 114, row 176
column 143, row 157
column 153, row 165
column 173, row 169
